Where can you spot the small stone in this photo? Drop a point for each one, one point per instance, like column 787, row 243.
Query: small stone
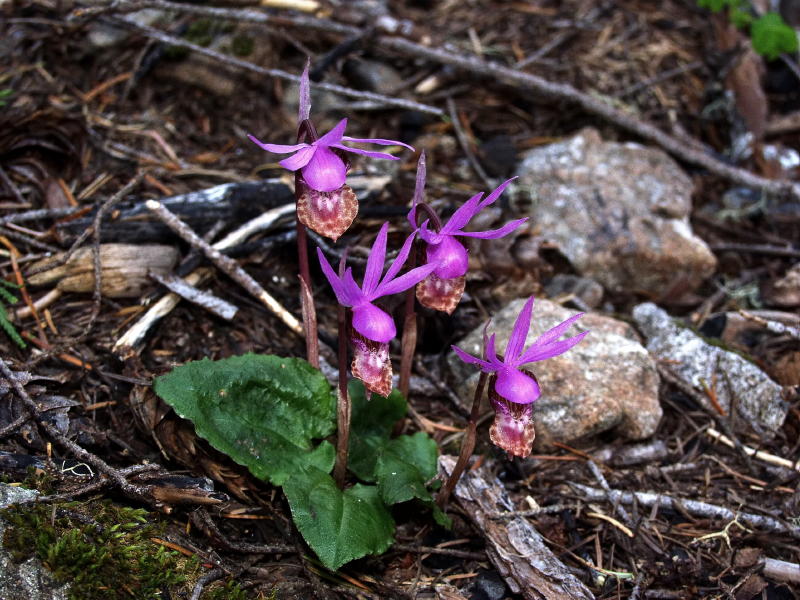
column 618, row 212
column 372, row 75
column 28, row 580
column 785, row 291
column 586, row 290
column 606, row 382
column 489, row 586
column 758, row 401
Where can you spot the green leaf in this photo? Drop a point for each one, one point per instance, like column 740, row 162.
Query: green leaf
column 339, row 526
column 717, row 5
column 772, row 37
column 371, row 425
column 262, row 411
column 404, row 465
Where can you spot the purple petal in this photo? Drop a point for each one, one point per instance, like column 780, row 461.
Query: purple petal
column 369, row 153
column 299, row 159
column 353, row 293
column 276, row 148
column 334, row 136
column 379, row 141
column 304, row 111
column 333, row 279
column 491, row 353
column 462, row 216
column 377, row 256
column 468, row 358
column 400, row 260
column 373, row 323
column 516, row 340
column 450, row 257
column 325, row 172
column 535, row 354
column 402, row 283
column 557, row 331
column 493, row 234
column 496, row 193
column 513, row 385
column 426, row 234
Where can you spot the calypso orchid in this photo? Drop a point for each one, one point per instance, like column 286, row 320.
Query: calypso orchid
column 373, row 328
column 443, row 288
column 512, row 390
column 325, row 203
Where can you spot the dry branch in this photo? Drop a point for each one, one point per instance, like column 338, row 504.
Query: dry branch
column 688, row 150
column 226, row 264
column 515, row 548
column 693, row 507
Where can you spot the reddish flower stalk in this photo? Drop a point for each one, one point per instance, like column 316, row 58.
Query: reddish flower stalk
column 467, row 446
column 343, row 405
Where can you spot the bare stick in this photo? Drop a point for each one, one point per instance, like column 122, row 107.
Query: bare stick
column 164, row 306
column 159, row 35
column 467, row 446
column 695, row 507
column 343, row 406
column 759, row 454
column 81, row 454
column 226, row 264
column 680, row 148
column 210, row 302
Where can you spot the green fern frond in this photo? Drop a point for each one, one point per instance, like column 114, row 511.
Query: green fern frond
column 7, row 326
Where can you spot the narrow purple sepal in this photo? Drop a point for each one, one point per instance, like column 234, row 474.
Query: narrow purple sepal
column 379, row 141
column 516, row 341
column 493, row 234
column 377, row 256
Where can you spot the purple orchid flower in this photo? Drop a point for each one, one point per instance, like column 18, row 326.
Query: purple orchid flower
column 369, row 320
column 373, row 328
column 322, row 168
column 512, row 389
column 444, row 250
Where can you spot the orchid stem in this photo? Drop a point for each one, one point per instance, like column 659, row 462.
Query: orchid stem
column 467, row 446
column 343, row 407
column 409, row 340
column 306, row 129
column 306, row 299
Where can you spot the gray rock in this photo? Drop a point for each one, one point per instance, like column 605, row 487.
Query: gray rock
column 28, row 580
column 585, row 290
column 608, row 381
column 618, row 212
column 758, row 401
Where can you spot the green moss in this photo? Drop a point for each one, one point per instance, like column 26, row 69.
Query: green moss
column 229, row 590
column 242, row 45
column 103, row 550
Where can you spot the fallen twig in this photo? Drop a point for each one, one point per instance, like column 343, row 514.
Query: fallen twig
column 515, row 548
column 210, row 302
column 136, row 491
column 759, row 454
column 694, row 507
column 164, row 306
column 226, row 264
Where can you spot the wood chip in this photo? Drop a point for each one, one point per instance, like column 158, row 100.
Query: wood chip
column 187, row 291
column 515, row 548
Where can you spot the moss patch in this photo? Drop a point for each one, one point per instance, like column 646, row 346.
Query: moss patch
column 103, row 550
